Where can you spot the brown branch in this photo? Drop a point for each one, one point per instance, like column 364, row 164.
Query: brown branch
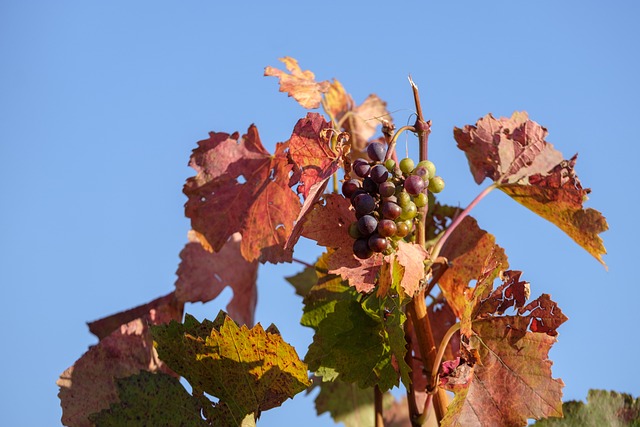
column 377, row 394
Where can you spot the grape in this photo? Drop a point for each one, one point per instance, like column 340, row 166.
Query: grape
column 387, row 228
column 353, row 230
column 364, row 203
column 386, row 189
column 436, row 184
column 390, row 164
column 404, row 198
column 369, row 186
column 421, row 200
column 414, row 185
column 429, row 166
column 379, row 174
column 367, row 225
column 349, row 187
column 393, row 199
column 422, row 172
column 391, row 210
column 406, row 165
column 409, row 212
column 361, row 168
column 378, row 243
column 376, row 151
column 361, row 248
column 402, row 229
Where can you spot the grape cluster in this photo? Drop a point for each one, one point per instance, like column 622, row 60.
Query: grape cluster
column 386, row 198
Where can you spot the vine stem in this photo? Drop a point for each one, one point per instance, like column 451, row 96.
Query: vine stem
column 438, row 246
column 417, row 308
column 377, row 393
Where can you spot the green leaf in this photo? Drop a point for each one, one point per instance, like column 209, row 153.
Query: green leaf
column 353, row 341
column 303, row 281
column 603, row 408
column 249, row 370
column 151, row 399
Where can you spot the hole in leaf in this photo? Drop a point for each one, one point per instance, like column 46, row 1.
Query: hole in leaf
column 241, row 179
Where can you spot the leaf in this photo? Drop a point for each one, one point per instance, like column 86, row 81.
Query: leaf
column 349, row 404
column 240, row 187
column 203, row 275
column 411, row 256
column 249, row 370
column 603, row 408
column 151, row 399
column 558, row 197
column 513, row 153
column 310, row 150
column 301, row 85
column 360, row 121
column 89, row 385
column 328, row 225
column 303, row 281
column 160, row 310
column 504, row 374
column 356, row 343
column 466, row 250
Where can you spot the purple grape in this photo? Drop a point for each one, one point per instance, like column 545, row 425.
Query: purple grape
column 378, row 243
column 361, row 248
column 414, row 185
column 361, row 168
column 386, row 189
column 387, row 228
column 376, row 151
column 356, row 193
column 349, row 187
column 367, row 225
column 353, row 230
column 364, row 203
column 422, row 172
column 369, row 186
column 379, row 174
column 391, row 210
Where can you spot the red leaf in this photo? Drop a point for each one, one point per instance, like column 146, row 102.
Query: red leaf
column 301, row 85
column 262, row 209
column 310, row 149
column 328, row 225
column 506, row 149
column 466, row 250
column 89, row 385
column 513, row 152
column 203, row 275
column 160, row 310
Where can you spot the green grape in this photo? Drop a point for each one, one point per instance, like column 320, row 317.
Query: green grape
column 429, row 166
column 421, row 200
column 409, row 212
column 406, row 165
column 436, row 184
column 403, row 199
column 390, row 164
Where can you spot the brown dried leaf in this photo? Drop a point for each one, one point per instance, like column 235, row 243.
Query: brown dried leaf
column 301, row 85
column 202, row 276
column 411, row 256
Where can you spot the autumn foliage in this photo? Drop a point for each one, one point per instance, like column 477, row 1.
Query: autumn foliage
column 482, row 337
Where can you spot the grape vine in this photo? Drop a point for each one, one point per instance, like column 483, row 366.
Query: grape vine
column 409, row 292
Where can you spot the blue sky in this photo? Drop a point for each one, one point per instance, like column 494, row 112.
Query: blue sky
column 102, row 102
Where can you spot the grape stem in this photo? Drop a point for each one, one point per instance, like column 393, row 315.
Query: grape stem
column 443, row 239
column 392, row 143
column 377, row 394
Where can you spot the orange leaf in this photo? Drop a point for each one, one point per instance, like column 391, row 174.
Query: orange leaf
column 301, row 85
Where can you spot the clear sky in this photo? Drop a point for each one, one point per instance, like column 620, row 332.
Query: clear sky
column 101, row 104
